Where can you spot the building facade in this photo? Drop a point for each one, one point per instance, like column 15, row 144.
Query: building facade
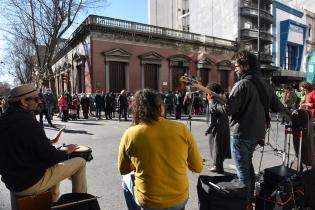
column 289, row 42
column 310, row 47
column 229, row 19
column 310, row 40
column 110, row 55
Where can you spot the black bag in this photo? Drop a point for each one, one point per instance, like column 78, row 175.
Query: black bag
column 77, row 201
column 214, row 192
column 309, row 184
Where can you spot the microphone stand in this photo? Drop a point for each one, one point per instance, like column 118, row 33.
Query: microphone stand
column 190, row 111
column 274, row 148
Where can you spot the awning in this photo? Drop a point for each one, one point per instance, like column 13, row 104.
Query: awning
column 288, row 76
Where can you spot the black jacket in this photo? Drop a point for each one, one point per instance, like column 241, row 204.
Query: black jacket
column 26, row 152
column 248, row 116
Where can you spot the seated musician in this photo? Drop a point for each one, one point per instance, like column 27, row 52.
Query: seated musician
column 29, row 164
column 154, row 155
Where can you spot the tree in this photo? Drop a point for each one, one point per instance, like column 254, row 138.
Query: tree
column 21, row 59
column 4, row 89
column 39, row 26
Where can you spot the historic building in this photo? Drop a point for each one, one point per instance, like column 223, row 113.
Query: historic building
column 110, row 55
column 230, row 19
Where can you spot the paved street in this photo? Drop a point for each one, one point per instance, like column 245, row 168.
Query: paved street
column 103, row 137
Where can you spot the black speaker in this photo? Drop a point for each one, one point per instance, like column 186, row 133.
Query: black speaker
column 309, row 183
column 281, row 189
column 220, row 192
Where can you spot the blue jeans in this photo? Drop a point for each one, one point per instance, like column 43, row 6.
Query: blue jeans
column 242, row 152
column 131, row 199
column 98, row 111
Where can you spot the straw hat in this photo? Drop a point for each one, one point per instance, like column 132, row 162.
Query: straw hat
column 22, row 92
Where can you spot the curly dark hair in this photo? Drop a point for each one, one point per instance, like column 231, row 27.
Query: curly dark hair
column 244, row 57
column 215, row 87
column 145, row 106
column 306, row 85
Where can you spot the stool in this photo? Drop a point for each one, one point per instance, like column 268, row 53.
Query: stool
column 40, row 201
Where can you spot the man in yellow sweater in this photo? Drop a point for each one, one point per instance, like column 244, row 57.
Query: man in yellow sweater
column 154, row 155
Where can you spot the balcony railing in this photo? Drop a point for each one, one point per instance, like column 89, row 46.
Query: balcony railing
column 129, row 26
column 253, row 12
column 253, row 34
column 261, row 2
column 264, row 57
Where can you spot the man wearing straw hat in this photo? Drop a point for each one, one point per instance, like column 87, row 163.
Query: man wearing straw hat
column 29, row 164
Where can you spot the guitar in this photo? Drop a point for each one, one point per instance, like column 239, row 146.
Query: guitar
column 193, row 82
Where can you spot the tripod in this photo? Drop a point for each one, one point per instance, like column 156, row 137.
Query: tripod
column 274, row 148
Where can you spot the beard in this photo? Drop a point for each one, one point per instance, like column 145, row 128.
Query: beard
column 37, row 111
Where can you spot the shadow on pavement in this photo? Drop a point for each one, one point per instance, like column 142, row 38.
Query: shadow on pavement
column 78, row 132
column 84, row 123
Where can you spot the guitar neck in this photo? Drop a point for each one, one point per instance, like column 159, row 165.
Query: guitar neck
column 217, row 97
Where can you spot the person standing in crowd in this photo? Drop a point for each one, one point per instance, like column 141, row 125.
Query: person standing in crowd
column 1, row 105
column 123, row 104
column 98, row 104
column 113, row 104
column 250, row 98
column 309, row 103
column 76, row 104
column 44, row 110
column 103, row 103
column 108, row 106
column 85, row 104
column 196, row 103
column 145, row 152
column 64, row 107
column 288, row 99
column 35, row 165
column 50, row 102
column 179, row 105
column 218, row 131
column 91, row 106
column 169, row 103
column 187, row 103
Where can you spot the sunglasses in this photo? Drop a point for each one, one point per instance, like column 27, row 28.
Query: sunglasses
column 35, row 99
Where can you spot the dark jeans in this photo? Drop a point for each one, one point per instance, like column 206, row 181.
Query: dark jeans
column 178, row 112
column 242, row 152
column 98, row 111
column 78, row 112
column 123, row 112
column 169, row 109
column 47, row 116
column 65, row 115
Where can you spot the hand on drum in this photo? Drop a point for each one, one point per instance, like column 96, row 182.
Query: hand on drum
column 69, row 148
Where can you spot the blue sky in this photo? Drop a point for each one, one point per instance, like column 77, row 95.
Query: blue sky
column 132, row 10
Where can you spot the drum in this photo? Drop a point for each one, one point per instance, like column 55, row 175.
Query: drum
column 83, row 152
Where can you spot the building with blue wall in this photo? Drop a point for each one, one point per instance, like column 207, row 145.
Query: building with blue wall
column 289, row 30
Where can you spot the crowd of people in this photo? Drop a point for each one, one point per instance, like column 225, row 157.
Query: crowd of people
column 297, row 96
column 190, row 103
column 153, row 162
